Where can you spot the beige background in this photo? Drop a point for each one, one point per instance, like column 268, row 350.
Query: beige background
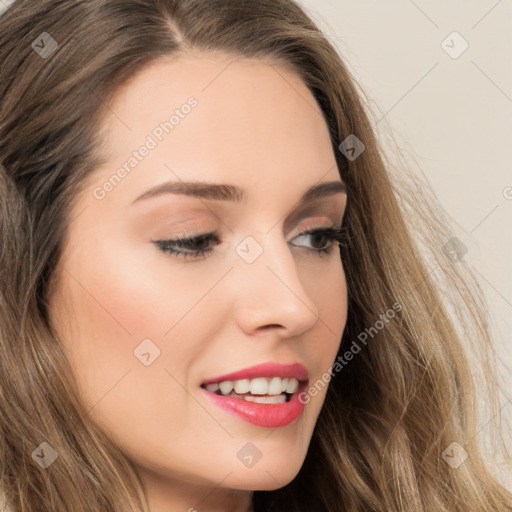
column 453, row 116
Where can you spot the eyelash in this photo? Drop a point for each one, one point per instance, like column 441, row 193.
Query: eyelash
column 335, row 236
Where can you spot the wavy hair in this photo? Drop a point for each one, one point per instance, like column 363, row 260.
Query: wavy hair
column 381, row 438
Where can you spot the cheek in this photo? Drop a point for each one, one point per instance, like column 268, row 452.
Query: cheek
column 107, row 307
column 330, row 295
column 328, row 289
column 125, row 300
column 334, row 303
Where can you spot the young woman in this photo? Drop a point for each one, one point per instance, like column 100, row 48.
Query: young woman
column 212, row 297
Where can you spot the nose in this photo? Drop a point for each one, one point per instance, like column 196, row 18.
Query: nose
column 269, row 291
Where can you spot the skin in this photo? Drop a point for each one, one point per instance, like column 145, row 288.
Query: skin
column 256, row 126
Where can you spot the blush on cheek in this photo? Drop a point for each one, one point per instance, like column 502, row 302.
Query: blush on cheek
column 114, row 383
column 129, row 302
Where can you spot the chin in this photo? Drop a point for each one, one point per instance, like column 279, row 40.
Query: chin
column 269, row 476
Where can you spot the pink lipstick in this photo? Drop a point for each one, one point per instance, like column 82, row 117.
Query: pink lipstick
column 265, row 395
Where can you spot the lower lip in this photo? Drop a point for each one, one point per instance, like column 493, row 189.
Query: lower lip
column 263, row 415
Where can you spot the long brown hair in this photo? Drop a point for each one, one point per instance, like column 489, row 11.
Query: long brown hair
column 389, row 417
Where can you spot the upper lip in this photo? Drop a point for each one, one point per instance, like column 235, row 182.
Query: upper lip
column 295, row 370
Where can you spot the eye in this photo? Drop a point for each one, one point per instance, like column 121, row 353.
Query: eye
column 195, row 247
column 331, row 237
column 198, row 247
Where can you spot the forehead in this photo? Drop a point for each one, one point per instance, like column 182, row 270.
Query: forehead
column 252, row 120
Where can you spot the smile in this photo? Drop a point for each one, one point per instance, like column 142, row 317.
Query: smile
column 263, row 390
column 266, row 400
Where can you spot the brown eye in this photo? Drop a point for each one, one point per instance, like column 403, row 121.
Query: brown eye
column 333, row 237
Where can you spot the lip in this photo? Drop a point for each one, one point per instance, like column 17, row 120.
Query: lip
column 262, row 415
column 296, row 371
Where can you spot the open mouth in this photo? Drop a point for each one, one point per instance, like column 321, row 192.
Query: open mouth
column 262, row 390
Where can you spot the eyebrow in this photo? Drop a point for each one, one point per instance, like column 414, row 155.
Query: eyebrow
column 224, row 192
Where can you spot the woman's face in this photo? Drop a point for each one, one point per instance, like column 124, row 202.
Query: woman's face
column 146, row 329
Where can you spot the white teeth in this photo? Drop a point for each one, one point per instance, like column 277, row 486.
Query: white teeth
column 242, row 386
column 277, row 399
column 293, row 385
column 275, row 387
column 259, row 386
column 226, row 387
